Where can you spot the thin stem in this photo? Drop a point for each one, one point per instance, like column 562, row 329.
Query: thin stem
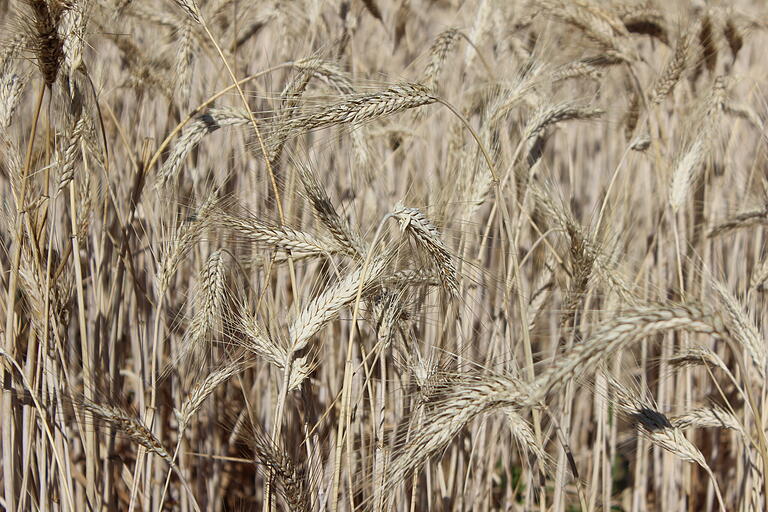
column 10, row 301
column 348, row 372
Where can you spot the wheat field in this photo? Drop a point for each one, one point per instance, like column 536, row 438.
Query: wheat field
column 383, row 255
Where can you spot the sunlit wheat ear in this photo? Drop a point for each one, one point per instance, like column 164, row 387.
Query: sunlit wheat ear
column 327, row 215
column 249, row 228
column 186, row 234
column 145, row 72
column 412, row 277
column 483, row 15
column 643, row 19
column 759, row 276
column 757, row 217
column 12, row 82
column 128, row 425
column 741, row 327
column 291, row 477
column 707, row 417
column 548, row 115
column 451, row 404
column 696, row 356
column 604, row 267
column 257, row 341
column 523, row 433
column 659, row 430
column 676, row 66
column 72, row 31
column 582, row 68
column 203, row 389
column 48, row 47
column 632, row 116
column 289, row 100
column 684, row 172
column 185, row 56
column 207, row 322
column 688, row 164
column 260, row 344
column 654, row 425
column 193, row 133
column 621, row 333
column 190, row 8
column 12, row 47
column 388, row 311
column 70, row 153
column 45, row 300
column 438, row 53
column 358, row 109
column 596, row 23
column 326, row 306
column 427, row 238
column 328, row 72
